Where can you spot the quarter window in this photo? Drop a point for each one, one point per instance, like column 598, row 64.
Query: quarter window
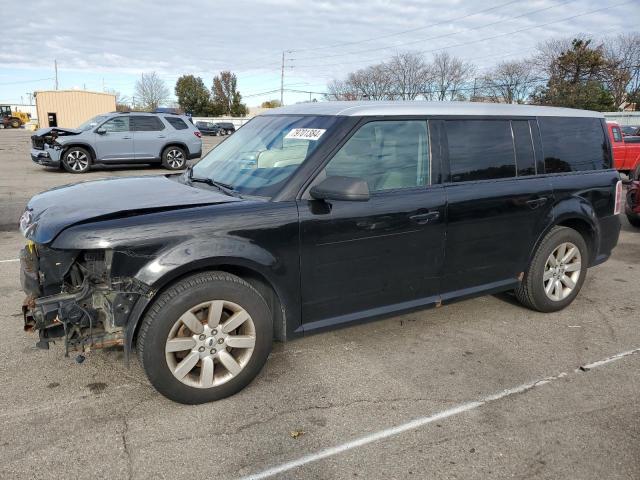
column 573, row 144
column 179, row 124
column 118, row 124
column 146, row 123
column 617, row 135
column 389, row 155
column 480, row 149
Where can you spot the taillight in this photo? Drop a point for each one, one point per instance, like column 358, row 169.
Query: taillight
column 197, row 134
column 617, row 209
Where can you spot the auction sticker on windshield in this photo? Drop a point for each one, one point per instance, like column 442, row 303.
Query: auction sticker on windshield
column 306, row 133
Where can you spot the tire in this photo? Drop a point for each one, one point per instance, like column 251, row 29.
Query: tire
column 635, row 174
column 634, row 219
column 174, row 158
column 76, row 160
column 15, row 123
column 532, row 291
column 162, row 326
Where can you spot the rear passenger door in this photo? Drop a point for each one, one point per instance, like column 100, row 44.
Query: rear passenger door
column 148, row 136
column 497, row 205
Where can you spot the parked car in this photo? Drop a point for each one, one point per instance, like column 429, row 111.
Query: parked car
column 632, row 207
column 208, row 128
column 626, row 151
column 316, row 216
column 630, row 130
column 118, row 138
column 227, row 128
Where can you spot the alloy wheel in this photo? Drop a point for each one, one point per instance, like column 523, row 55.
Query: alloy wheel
column 77, row 160
column 562, row 271
column 210, row 344
column 175, row 158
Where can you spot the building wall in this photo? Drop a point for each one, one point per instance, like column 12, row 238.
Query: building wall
column 72, row 107
column 623, row 118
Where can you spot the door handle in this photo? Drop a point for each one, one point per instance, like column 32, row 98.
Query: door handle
column 536, row 202
column 162, row 136
column 422, row 218
column 126, row 138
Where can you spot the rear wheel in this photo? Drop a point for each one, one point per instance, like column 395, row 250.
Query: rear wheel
column 174, row 158
column 556, row 273
column 634, row 219
column 76, row 160
column 205, row 338
column 15, row 123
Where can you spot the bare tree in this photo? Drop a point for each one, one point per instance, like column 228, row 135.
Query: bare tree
column 371, row 83
column 449, row 75
column 151, row 91
column 622, row 75
column 409, row 75
column 122, row 101
column 341, row 90
column 509, row 82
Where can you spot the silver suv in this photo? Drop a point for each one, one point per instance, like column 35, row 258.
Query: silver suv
column 117, row 138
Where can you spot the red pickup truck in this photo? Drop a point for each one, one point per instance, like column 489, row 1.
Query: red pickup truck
column 626, row 151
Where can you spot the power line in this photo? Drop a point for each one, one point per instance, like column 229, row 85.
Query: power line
column 413, row 42
column 481, row 39
column 28, row 81
column 411, row 30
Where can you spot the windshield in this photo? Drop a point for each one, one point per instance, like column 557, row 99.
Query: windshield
column 265, row 152
column 89, row 124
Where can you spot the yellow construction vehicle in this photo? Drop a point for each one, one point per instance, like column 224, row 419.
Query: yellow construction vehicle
column 13, row 119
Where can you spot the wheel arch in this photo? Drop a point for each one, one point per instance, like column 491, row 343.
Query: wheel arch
column 86, row 146
column 249, row 272
column 175, row 143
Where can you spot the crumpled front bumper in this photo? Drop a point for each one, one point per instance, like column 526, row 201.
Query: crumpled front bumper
column 49, row 157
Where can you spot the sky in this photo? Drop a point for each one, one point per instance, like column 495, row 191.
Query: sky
column 107, row 45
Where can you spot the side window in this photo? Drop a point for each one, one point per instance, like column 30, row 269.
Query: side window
column 117, row 124
column 480, row 149
column 525, row 158
column 144, row 123
column 387, row 154
column 573, row 144
column 617, row 135
column 178, row 124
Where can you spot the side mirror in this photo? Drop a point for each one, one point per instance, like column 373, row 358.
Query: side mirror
column 349, row 189
column 101, row 131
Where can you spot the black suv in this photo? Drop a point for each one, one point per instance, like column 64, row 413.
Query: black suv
column 315, row 216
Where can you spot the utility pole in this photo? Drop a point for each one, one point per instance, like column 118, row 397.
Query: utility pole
column 55, row 66
column 282, row 82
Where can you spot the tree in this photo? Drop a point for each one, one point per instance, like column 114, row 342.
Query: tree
column 122, row 101
column 340, row 90
column 271, row 104
column 371, row 83
column 193, row 96
column 449, row 75
column 409, row 75
column 622, row 75
column 226, row 97
column 509, row 82
column 576, row 79
column 151, row 92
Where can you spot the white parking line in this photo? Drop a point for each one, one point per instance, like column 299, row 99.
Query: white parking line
column 10, row 260
column 421, row 421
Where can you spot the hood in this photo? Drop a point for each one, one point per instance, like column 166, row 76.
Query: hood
column 56, row 131
column 50, row 212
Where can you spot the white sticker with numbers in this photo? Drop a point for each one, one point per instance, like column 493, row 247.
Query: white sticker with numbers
column 306, row 133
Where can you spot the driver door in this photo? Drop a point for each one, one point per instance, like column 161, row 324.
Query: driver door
column 115, row 142
column 368, row 258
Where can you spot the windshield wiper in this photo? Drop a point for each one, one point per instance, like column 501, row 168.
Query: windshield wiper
column 224, row 187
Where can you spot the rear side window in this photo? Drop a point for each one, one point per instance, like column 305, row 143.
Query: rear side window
column 617, row 135
column 179, row 124
column 480, row 150
column 573, row 144
column 525, row 157
column 146, row 123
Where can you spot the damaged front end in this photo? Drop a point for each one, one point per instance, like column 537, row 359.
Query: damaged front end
column 45, row 149
column 72, row 297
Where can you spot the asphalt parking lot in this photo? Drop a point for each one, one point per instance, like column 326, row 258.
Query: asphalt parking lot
column 480, row 389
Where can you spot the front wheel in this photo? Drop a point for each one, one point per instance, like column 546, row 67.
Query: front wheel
column 174, row 158
column 76, row 160
column 557, row 271
column 205, row 338
column 15, row 123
